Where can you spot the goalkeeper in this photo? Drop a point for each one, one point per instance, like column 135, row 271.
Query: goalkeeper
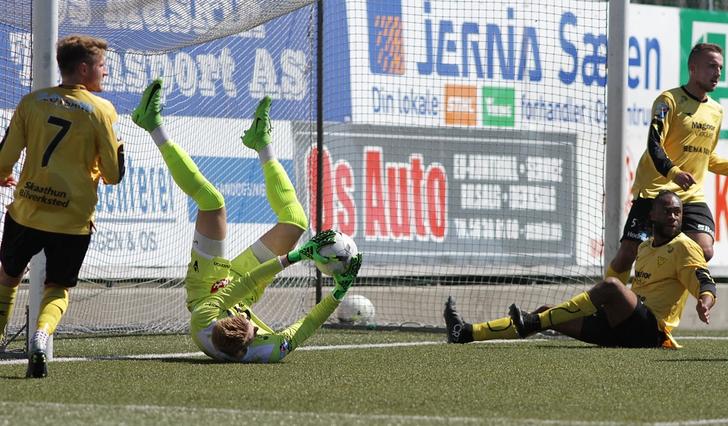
column 221, row 291
column 669, row 266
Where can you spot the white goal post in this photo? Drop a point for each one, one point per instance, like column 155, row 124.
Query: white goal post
column 44, row 74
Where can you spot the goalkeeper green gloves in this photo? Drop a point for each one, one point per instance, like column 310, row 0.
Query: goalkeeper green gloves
column 346, row 279
column 310, row 250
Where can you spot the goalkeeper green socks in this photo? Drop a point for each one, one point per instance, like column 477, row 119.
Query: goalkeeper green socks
column 501, row 328
column 189, row 178
column 282, row 196
column 52, row 307
column 7, row 302
column 577, row 307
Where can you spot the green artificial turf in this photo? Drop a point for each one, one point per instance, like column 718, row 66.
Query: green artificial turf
column 525, row 382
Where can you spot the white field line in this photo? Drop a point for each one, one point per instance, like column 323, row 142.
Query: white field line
column 306, row 348
column 323, row 416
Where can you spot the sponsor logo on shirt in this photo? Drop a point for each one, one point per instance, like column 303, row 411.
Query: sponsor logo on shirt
column 703, row 129
column 697, row 149
column 642, row 275
column 642, row 236
column 218, row 285
column 67, row 103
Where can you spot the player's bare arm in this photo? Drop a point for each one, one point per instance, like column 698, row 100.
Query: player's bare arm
column 705, row 304
column 684, row 180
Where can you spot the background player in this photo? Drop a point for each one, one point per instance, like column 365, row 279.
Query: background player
column 681, row 145
column 219, row 291
column 669, row 266
column 70, row 140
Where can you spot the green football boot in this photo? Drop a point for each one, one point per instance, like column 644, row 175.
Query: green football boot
column 258, row 135
column 147, row 114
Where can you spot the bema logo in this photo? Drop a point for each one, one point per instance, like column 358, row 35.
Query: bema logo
column 499, row 106
column 697, row 26
column 386, row 55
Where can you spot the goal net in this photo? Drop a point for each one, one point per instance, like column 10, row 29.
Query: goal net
column 463, row 148
column 471, row 164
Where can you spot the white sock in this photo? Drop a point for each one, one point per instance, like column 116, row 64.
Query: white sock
column 266, row 154
column 159, row 136
column 39, row 342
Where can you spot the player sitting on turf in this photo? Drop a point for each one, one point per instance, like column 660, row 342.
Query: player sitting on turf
column 669, row 266
column 220, row 291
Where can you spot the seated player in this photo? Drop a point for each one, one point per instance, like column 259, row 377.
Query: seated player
column 669, row 266
column 221, row 291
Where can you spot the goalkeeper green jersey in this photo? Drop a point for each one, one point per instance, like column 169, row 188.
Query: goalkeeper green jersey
column 227, row 298
column 71, row 141
column 682, row 137
column 665, row 275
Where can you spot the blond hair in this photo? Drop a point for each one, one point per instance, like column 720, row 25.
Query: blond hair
column 76, row 49
column 229, row 334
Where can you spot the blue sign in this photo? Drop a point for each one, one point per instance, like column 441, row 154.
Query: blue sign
column 222, row 78
column 241, row 182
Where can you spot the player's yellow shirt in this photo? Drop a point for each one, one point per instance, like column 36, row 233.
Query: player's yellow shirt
column 682, row 137
column 70, row 141
column 665, row 275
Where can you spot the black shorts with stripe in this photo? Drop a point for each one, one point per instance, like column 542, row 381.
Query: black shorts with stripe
column 640, row 330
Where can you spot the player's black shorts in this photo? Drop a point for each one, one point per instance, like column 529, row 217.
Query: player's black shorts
column 64, row 252
column 638, row 331
column 696, row 218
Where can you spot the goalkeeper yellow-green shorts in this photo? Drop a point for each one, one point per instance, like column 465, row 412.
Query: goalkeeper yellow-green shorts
column 244, row 263
column 206, row 276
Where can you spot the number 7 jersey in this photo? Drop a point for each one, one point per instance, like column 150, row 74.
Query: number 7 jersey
column 70, row 140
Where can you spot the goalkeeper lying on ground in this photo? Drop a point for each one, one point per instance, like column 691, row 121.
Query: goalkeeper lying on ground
column 220, row 291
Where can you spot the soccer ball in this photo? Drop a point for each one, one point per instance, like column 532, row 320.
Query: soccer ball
column 355, row 309
column 340, row 252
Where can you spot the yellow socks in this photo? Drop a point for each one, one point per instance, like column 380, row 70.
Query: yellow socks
column 576, row 307
column 501, row 328
column 52, row 307
column 282, row 195
column 7, row 301
column 623, row 277
column 188, row 177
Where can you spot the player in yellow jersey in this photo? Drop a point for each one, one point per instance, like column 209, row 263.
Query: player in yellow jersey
column 70, row 140
column 220, row 292
column 669, row 267
column 680, row 150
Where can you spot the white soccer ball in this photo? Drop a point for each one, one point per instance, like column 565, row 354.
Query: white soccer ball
column 340, row 252
column 356, row 309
